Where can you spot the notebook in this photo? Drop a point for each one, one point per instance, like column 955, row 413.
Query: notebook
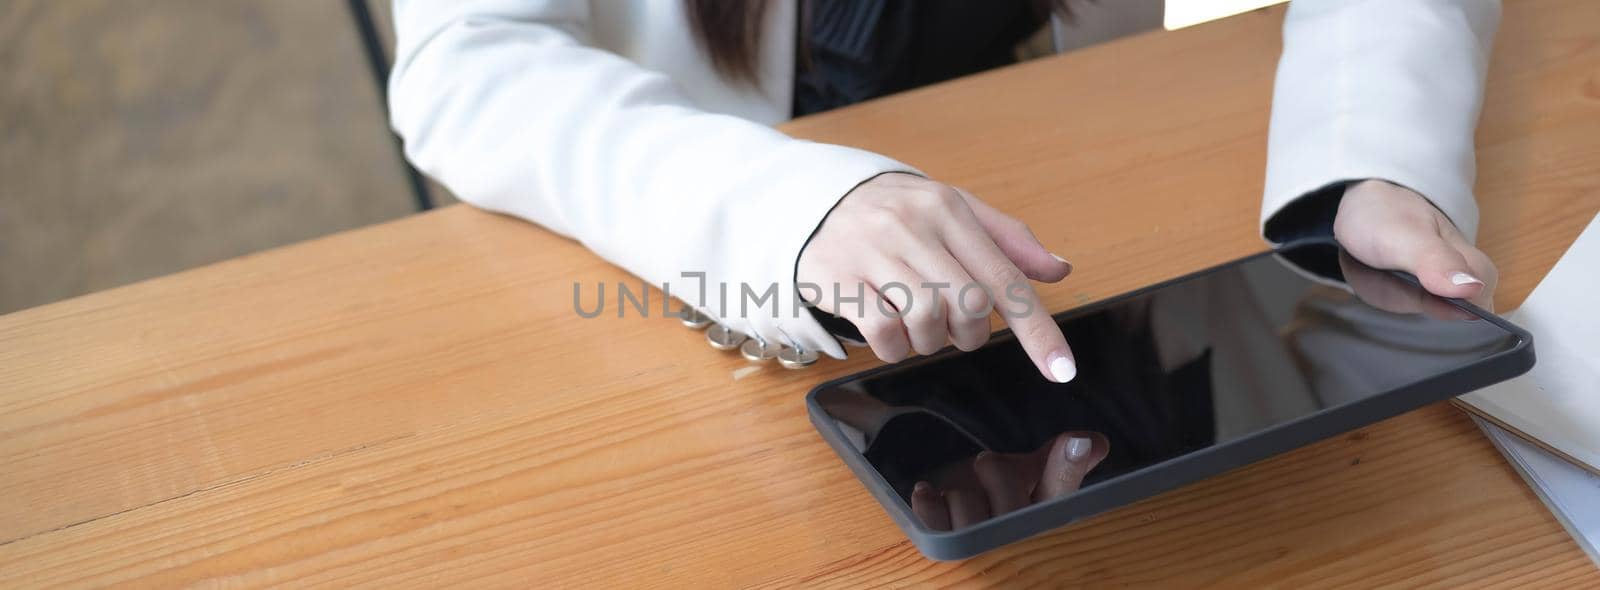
column 1556, row 406
column 1572, row 494
column 1547, row 422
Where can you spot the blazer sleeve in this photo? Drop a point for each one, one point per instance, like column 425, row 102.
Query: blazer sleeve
column 504, row 103
column 1384, row 89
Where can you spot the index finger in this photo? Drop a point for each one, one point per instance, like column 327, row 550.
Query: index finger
column 1013, row 297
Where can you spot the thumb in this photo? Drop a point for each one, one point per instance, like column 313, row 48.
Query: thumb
column 1437, row 264
column 1017, row 242
column 1391, row 227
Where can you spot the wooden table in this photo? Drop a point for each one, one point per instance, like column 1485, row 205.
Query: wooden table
column 417, row 403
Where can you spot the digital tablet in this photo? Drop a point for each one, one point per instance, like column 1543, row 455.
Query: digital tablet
column 1176, row 382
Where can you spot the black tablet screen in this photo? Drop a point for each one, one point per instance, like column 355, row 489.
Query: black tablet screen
column 1199, row 362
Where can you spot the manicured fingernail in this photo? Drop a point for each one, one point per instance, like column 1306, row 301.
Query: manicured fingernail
column 1063, row 261
column 1462, row 278
column 920, row 488
column 1062, row 367
column 1078, row 448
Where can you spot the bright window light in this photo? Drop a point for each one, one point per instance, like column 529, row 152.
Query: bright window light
column 1183, row 13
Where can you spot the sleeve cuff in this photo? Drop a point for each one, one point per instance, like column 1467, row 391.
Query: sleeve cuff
column 812, row 179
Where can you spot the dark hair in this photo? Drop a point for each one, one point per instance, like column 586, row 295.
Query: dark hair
column 729, row 31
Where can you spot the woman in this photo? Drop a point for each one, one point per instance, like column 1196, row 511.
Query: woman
column 641, row 128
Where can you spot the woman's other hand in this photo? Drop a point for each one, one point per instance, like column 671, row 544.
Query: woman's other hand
column 930, row 263
column 1393, row 228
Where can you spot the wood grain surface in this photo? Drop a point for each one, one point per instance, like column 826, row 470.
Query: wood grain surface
column 416, row 403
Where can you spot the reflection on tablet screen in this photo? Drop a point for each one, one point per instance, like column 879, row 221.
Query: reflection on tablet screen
column 1192, row 364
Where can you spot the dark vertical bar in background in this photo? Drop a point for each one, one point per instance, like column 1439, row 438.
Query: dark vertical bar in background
column 379, row 63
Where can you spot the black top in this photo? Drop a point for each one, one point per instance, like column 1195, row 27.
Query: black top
column 854, row 50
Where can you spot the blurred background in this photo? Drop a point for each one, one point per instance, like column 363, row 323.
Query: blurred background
column 139, row 138
column 142, row 137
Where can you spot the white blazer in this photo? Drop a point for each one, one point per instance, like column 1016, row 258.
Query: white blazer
column 604, row 121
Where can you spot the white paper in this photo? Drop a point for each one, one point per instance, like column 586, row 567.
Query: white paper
column 1184, row 13
column 1558, row 402
column 1572, row 494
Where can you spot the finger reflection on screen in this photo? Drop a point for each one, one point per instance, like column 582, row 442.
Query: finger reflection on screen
column 990, row 484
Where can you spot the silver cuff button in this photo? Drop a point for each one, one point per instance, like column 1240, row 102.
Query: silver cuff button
column 756, row 351
column 794, row 358
column 692, row 318
column 722, row 338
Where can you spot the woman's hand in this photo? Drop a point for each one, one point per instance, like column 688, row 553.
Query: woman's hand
column 1393, row 228
column 929, row 263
